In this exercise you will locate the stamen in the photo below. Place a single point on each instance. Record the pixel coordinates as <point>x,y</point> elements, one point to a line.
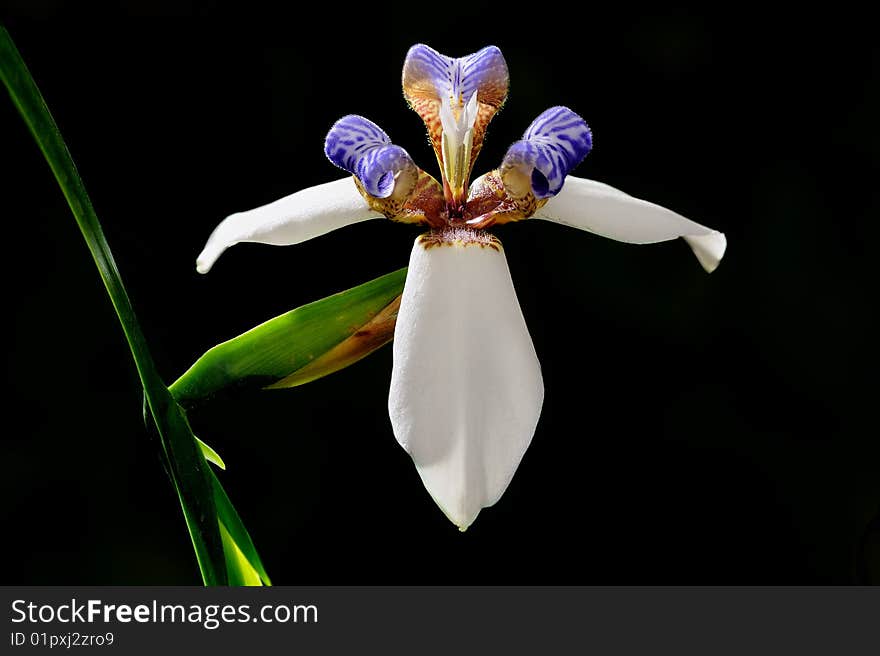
<point>457,120</point>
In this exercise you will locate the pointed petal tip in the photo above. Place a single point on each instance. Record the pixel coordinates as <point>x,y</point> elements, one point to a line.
<point>462,521</point>
<point>203,264</point>
<point>301,216</point>
<point>463,517</point>
<point>709,249</point>
<point>606,211</point>
<point>209,255</point>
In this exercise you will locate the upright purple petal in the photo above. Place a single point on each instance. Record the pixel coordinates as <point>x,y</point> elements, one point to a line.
<point>362,148</point>
<point>556,142</point>
<point>464,93</point>
<point>427,72</point>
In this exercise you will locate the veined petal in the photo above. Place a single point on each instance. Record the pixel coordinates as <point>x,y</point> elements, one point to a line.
<point>533,170</point>
<point>428,74</point>
<point>456,99</point>
<point>359,146</point>
<point>301,216</point>
<point>609,212</point>
<point>385,174</point>
<point>555,142</point>
<point>466,387</point>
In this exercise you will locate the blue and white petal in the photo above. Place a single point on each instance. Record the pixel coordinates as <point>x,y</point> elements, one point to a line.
<point>609,212</point>
<point>427,73</point>
<point>290,220</point>
<point>456,98</point>
<point>466,387</point>
<point>555,142</point>
<point>359,146</point>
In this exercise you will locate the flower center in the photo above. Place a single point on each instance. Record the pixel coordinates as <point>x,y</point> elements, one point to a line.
<point>457,118</point>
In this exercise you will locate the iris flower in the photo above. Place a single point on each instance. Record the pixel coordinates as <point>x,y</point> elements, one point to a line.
<point>466,386</point>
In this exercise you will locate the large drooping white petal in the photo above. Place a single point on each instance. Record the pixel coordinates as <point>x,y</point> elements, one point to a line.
<point>466,387</point>
<point>609,212</point>
<point>301,216</point>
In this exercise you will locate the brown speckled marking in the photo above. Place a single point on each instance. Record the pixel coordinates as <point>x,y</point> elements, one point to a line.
<point>459,236</point>
<point>423,204</point>
<point>429,111</point>
<point>390,206</point>
<point>489,203</point>
<point>489,101</point>
<point>485,113</point>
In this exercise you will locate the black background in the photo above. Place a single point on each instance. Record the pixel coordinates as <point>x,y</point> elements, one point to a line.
<point>697,429</point>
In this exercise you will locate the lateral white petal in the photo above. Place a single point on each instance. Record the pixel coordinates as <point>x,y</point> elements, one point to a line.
<point>301,216</point>
<point>709,249</point>
<point>466,386</point>
<point>609,212</point>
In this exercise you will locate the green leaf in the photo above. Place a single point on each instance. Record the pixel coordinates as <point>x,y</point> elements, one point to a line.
<point>211,455</point>
<point>241,572</point>
<point>221,551</point>
<point>306,343</point>
<point>189,474</point>
<point>243,562</point>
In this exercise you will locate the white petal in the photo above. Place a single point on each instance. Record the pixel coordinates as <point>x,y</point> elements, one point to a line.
<point>466,387</point>
<point>301,216</point>
<point>606,211</point>
<point>709,249</point>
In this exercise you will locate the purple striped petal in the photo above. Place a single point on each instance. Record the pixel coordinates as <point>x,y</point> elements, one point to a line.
<point>427,72</point>
<point>556,142</point>
<point>362,148</point>
<point>456,99</point>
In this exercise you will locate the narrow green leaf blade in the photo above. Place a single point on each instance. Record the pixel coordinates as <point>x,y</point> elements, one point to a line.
<point>240,571</point>
<point>211,455</point>
<point>190,472</point>
<point>315,339</point>
<point>237,534</point>
<point>29,102</point>
<point>181,454</point>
